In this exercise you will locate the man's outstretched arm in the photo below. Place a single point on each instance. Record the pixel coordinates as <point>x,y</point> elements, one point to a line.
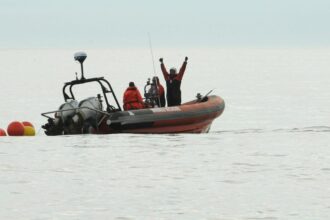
<point>182,69</point>
<point>164,71</point>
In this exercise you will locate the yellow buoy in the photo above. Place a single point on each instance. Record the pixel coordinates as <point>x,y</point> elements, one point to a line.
<point>29,131</point>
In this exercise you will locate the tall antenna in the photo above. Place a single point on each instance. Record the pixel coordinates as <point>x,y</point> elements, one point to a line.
<point>153,64</point>
<point>152,54</point>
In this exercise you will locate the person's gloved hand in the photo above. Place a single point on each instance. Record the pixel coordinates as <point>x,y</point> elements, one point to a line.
<point>186,59</point>
<point>161,60</point>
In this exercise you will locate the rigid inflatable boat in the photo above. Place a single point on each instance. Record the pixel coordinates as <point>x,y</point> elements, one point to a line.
<point>97,115</point>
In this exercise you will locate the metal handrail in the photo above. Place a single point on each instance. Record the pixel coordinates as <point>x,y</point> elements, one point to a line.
<point>45,114</point>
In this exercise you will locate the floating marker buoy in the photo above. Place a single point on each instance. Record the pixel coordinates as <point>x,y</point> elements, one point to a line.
<point>26,123</point>
<point>15,128</point>
<point>2,132</point>
<point>29,131</point>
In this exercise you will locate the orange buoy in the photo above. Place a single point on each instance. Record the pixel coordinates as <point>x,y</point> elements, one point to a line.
<point>26,123</point>
<point>29,131</point>
<point>15,128</point>
<point>2,132</point>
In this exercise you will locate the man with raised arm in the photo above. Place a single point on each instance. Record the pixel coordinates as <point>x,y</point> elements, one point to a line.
<point>173,83</point>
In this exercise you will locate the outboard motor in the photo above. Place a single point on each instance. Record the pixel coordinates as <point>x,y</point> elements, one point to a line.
<point>67,111</point>
<point>62,123</point>
<point>86,119</point>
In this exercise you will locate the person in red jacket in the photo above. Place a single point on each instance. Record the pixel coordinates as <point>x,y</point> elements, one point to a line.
<point>132,98</point>
<point>173,83</point>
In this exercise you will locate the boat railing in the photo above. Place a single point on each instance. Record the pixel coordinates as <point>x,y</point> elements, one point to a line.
<point>45,114</point>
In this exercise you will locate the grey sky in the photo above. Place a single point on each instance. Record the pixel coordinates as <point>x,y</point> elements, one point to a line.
<point>172,23</point>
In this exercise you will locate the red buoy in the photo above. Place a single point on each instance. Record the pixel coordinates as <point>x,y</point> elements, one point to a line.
<point>26,123</point>
<point>15,128</point>
<point>2,132</point>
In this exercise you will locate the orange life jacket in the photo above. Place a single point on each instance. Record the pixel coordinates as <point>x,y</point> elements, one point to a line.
<point>132,99</point>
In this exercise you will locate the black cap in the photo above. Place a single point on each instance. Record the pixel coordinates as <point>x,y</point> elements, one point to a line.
<point>131,84</point>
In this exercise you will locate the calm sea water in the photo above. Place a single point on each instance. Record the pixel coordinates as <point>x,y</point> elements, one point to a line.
<point>266,157</point>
